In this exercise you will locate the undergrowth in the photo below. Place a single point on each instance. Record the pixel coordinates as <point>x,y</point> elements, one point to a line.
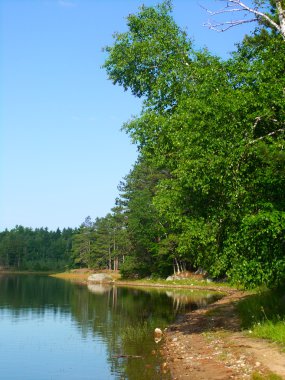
<point>263,315</point>
<point>270,376</point>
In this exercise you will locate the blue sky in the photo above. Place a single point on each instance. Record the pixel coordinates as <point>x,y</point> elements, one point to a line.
<point>61,149</point>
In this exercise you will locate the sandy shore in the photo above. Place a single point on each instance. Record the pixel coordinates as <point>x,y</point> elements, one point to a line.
<point>208,344</point>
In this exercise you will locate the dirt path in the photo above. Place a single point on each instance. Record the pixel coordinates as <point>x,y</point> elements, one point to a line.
<point>208,344</point>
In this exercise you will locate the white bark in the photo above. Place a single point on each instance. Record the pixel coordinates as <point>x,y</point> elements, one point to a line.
<point>281,14</point>
<point>233,6</point>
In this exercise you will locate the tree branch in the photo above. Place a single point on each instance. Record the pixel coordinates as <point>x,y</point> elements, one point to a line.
<point>269,134</point>
<point>233,6</point>
<point>218,27</point>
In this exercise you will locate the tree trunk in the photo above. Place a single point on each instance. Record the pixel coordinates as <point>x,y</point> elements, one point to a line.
<point>115,297</point>
<point>109,258</point>
<point>281,15</point>
<point>177,265</point>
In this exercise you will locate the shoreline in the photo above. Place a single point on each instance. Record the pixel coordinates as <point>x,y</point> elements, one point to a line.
<point>146,284</point>
<point>175,286</point>
<point>207,343</point>
<point>82,277</point>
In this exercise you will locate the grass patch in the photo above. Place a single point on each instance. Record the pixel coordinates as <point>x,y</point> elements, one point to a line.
<point>136,333</point>
<point>269,376</point>
<point>83,274</point>
<point>71,276</point>
<point>183,282</point>
<point>263,314</point>
<point>274,331</point>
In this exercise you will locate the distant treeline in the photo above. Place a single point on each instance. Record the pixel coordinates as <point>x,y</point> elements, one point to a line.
<point>102,244</point>
<point>39,249</point>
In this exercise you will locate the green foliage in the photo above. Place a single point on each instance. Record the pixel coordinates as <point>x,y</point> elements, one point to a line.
<point>39,249</point>
<point>132,268</point>
<point>262,306</point>
<point>263,314</point>
<point>270,376</point>
<point>145,58</point>
<point>143,225</point>
<point>270,330</point>
<point>216,131</point>
<point>257,250</point>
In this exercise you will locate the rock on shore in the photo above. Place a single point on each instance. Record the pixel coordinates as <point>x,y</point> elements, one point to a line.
<point>100,278</point>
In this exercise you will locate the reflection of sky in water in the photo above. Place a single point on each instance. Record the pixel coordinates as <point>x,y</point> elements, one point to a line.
<point>19,315</point>
<point>50,346</point>
<point>51,329</point>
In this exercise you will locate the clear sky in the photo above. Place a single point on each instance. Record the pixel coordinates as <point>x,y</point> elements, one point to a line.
<point>61,149</point>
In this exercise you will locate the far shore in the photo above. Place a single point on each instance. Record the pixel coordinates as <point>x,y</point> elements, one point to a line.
<point>82,276</point>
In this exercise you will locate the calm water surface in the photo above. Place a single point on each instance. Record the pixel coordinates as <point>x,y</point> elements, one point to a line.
<point>51,329</point>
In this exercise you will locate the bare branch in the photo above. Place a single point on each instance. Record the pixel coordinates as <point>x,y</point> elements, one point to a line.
<point>213,13</point>
<point>257,120</point>
<point>260,14</point>
<point>234,6</point>
<point>268,135</point>
<point>223,10</point>
<point>218,27</point>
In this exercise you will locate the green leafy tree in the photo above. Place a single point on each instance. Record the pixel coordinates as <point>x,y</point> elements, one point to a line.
<point>216,130</point>
<point>144,226</point>
<point>39,249</point>
<point>82,244</point>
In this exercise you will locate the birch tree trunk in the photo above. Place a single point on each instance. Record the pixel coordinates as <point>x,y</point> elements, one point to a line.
<point>280,5</point>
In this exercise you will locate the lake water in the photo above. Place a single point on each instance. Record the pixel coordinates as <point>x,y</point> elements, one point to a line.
<point>51,329</point>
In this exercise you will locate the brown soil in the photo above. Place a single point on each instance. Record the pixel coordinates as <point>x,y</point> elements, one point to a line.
<point>209,344</point>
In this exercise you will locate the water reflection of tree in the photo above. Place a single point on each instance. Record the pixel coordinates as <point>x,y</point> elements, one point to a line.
<point>122,319</point>
<point>23,294</point>
<point>115,312</point>
<point>125,319</point>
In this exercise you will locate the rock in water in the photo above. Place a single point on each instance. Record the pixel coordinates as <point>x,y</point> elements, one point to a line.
<point>157,335</point>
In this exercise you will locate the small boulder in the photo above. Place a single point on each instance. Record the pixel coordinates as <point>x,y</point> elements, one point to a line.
<point>157,335</point>
<point>157,331</point>
<point>173,278</point>
<point>100,278</point>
